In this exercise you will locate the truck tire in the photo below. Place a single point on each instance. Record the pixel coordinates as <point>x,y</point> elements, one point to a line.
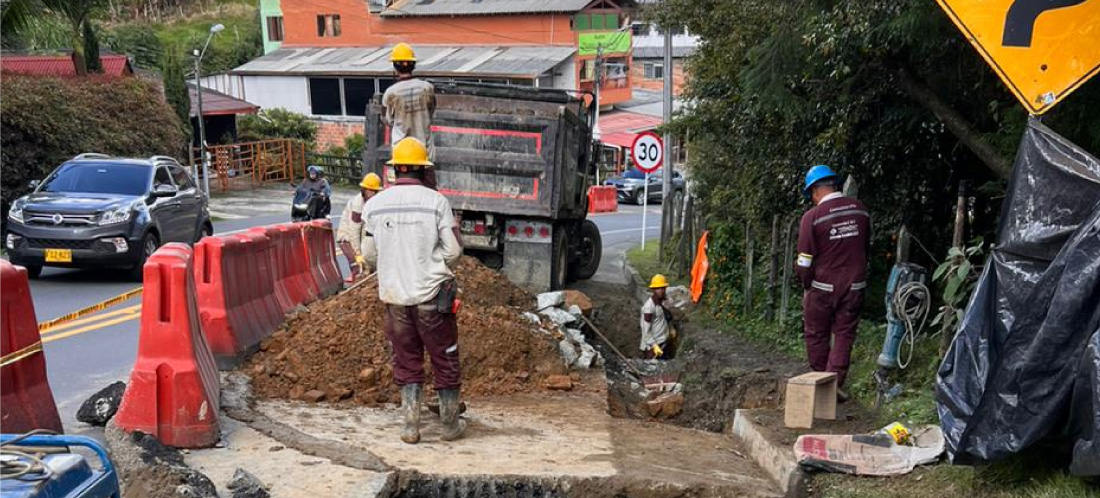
<point>559,259</point>
<point>589,251</point>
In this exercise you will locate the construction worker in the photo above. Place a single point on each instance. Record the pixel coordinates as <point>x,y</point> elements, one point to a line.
<point>409,104</point>
<point>657,332</point>
<point>350,234</point>
<point>414,243</point>
<point>833,240</point>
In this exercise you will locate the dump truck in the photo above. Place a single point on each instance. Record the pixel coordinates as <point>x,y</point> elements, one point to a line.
<point>516,164</point>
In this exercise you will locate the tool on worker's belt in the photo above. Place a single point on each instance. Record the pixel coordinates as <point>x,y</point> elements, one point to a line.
<point>907,304</point>
<point>445,299</point>
<point>457,306</point>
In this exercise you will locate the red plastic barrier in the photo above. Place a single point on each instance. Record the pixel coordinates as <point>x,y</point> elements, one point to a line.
<point>174,388</point>
<point>231,322</point>
<point>602,199</point>
<point>300,283</point>
<point>26,402</point>
<point>320,245</point>
<point>258,248</point>
<point>276,257</point>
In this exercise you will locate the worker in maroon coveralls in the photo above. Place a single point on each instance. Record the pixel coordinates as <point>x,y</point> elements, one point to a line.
<point>833,240</point>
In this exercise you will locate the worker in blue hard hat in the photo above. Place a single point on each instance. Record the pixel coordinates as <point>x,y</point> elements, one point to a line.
<point>833,240</point>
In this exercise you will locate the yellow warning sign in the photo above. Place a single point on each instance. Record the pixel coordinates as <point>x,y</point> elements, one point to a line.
<point>1042,49</point>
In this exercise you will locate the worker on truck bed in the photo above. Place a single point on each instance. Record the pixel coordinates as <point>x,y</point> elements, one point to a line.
<point>414,242</point>
<point>657,332</point>
<point>409,104</point>
<point>349,236</point>
<point>833,240</point>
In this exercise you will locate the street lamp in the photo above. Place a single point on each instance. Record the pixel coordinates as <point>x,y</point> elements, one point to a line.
<point>215,29</point>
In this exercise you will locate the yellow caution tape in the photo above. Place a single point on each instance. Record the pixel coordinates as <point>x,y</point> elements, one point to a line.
<point>90,309</point>
<point>15,356</point>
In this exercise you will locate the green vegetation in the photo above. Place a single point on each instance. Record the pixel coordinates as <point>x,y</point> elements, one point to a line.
<point>47,120</point>
<point>277,123</point>
<point>647,264</point>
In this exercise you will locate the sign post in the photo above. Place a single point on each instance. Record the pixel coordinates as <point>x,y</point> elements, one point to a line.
<point>648,152</point>
<point>1042,49</point>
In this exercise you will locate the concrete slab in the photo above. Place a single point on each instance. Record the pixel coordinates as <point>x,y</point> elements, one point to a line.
<point>778,461</point>
<point>286,472</point>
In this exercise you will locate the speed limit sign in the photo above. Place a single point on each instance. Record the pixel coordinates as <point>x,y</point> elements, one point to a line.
<point>648,151</point>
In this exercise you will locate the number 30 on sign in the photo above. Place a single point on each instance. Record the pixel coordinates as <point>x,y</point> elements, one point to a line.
<point>648,151</point>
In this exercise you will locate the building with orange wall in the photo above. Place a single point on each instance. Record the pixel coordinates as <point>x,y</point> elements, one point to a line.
<point>331,56</point>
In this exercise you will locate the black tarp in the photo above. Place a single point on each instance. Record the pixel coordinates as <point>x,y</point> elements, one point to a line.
<point>1024,367</point>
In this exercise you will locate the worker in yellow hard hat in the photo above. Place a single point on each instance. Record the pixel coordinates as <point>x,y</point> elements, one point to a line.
<point>409,103</point>
<point>349,236</point>
<point>414,245</point>
<point>657,332</point>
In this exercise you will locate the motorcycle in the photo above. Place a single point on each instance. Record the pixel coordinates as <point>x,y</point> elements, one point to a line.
<point>309,204</point>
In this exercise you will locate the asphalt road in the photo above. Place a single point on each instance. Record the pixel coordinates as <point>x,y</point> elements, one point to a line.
<point>87,354</point>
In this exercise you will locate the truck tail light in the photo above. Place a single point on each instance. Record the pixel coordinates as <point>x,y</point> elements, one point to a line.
<point>479,228</point>
<point>512,230</point>
<point>544,232</point>
<point>529,231</point>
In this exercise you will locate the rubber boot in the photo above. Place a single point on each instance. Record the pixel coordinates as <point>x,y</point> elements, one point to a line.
<point>453,426</point>
<point>410,404</point>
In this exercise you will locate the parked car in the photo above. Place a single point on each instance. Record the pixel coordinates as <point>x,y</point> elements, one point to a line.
<point>97,211</point>
<point>630,186</point>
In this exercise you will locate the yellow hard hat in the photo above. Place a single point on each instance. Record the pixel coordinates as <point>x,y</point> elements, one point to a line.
<point>410,152</point>
<point>402,52</point>
<point>659,281</point>
<point>371,182</point>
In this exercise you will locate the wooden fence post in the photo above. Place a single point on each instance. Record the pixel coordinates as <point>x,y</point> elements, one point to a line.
<point>788,262</point>
<point>748,267</point>
<point>773,264</point>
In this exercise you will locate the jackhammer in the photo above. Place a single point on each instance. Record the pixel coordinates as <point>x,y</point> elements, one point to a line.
<point>907,305</point>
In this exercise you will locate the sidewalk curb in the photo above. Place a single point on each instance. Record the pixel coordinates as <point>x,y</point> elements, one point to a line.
<point>777,461</point>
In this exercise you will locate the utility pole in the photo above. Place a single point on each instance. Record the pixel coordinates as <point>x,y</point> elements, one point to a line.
<point>215,29</point>
<point>666,189</point>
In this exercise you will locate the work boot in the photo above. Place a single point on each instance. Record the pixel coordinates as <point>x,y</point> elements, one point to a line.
<point>410,405</point>
<point>453,426</point>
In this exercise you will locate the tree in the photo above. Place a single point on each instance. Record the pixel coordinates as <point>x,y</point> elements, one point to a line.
<point>77,12</point>
<point>175,88</point>
<point>91,49</point>
<point>276,123</point>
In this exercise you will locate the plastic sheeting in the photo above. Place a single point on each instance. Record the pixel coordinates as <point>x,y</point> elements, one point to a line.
<point>1024,367</point>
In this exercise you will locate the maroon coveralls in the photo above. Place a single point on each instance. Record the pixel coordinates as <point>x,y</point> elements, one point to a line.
<point>833,241</point>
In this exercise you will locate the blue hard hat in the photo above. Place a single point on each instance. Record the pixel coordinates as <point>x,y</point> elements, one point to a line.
<point>816,174</point>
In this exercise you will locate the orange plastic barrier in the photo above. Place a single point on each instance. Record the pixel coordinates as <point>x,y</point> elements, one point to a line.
<point>298,276</point>
<point>320,245</point>
<point>257,246</point>
<point>602,199</point>
<point>232,308</point>
<point>174,387</point>
<point>26,402</point>
<point>276,257</point>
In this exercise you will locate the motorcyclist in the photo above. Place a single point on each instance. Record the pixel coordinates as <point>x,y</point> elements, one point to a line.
<point>315,182</point>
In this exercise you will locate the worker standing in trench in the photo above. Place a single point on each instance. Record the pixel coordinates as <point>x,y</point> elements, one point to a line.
<point>657,333</point>
<point>414,243</point>
<point>408,105</point>
<point>833,242</point>
<point>349,236</point>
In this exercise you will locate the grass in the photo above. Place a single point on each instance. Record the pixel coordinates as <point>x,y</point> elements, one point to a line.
<point>647,264</point>
<point>1023,476</point>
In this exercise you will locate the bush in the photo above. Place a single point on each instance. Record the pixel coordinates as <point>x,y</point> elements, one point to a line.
<point>276,123</point>
<point>47,120</point>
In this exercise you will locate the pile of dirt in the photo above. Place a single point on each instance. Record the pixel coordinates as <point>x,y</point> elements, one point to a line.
<point>337,350</point>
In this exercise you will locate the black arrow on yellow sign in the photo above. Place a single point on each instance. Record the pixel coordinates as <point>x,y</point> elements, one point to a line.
<point>1021,17</point>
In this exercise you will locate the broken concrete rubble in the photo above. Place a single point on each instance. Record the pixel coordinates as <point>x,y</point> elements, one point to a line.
<point>100,407</point>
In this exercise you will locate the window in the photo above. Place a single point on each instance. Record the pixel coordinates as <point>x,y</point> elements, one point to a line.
<point>581,22</point>
<point>99,178</point>
<point>639,29</point>
<point>588,70</point>
<point>654,71</point>
<point>275,28</point>
<point>324,97</point>
<point>328,25</point>
<point>610,21</point>
<point>183,180</point>
<point>357,93</point>
<point>161,178</point>
<point>678,30</point>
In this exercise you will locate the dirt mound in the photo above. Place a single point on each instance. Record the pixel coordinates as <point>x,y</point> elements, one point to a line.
<point>337,350</point>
